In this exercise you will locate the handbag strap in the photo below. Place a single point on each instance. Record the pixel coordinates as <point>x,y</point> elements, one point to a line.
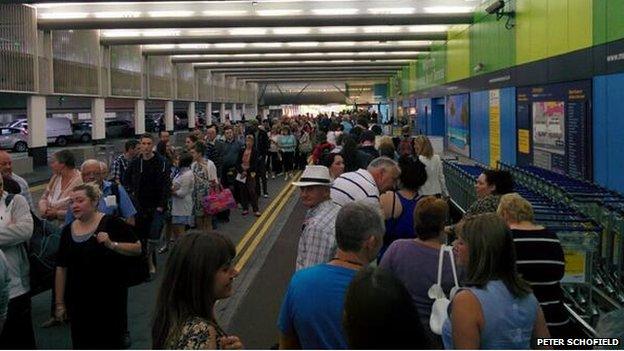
<point>449,249</point>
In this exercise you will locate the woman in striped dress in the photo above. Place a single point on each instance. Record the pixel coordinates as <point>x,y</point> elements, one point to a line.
<point>539,260</point>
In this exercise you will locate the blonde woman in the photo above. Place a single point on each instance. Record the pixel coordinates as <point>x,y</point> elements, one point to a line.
<point>435,184</point>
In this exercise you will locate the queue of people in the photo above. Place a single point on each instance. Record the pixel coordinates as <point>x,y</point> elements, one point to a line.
<point>364,203</point>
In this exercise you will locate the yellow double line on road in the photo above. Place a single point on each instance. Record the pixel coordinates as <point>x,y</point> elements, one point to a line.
<point>248,244</point>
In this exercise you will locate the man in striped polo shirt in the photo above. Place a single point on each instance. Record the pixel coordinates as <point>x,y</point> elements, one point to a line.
<point>366,184</point>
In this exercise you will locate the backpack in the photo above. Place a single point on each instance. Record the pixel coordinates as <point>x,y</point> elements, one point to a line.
<point>41,250</point>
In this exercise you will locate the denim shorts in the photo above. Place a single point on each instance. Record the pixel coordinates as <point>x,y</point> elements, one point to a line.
<point>182,220</point>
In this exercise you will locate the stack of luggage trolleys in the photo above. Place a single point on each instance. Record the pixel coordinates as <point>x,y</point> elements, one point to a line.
<point>587,220</point>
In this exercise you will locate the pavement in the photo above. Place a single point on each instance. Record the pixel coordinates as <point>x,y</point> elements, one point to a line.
<point>266,260</point>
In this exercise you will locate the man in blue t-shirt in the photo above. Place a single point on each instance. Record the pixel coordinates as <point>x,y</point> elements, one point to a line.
<point>311,313</point>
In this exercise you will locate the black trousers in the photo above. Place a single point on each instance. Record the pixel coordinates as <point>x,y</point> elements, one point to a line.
<point>18,330</point>
<point>288,159</point>
<point>248,193</point>
<point>276,164</point>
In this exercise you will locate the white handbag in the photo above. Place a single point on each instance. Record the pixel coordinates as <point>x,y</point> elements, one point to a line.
<point>439,310</point>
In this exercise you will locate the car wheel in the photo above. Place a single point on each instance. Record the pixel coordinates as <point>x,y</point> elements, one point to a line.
<point>61,141</point>
<point>85,138</point>
<point>20,146</point>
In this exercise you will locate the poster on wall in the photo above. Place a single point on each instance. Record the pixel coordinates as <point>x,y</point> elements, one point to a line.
<point>494,114</point>
<point>554,131</point>
<point>458,124</point>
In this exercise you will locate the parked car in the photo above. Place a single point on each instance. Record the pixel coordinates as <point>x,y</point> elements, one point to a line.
<point>151,125</point>
<point>15,139</point>
<point>82,132</point>
<point>114,129</point>
<point>58,129</point>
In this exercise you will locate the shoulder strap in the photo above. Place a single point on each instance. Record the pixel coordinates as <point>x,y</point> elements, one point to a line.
<point>449,249</point>
<point>8,199</point>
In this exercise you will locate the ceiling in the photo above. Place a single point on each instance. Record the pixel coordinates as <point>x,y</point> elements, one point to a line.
<point>270,41</point>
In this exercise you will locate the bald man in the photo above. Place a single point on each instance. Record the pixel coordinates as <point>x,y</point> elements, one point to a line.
<point>6,169</point>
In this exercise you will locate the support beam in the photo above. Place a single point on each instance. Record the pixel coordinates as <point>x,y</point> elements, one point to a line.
<point>213,39</point>
<point>37,136</point>
<point>245,75</point>
<point>191,115</point>
<point>285,50</point>
<point>98,121</point>
<point>243,112</point>
<point>169,116</point>
<point>254,21</point>
<point>298,69</point>
<point>222,112</point>
<point>351,63</point>
<point>139,117</point>
<point>315,58</point>
<point>208,113</point>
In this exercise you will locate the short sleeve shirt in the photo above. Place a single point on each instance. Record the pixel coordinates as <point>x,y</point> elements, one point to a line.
<point>313,306</point>
<point>126,208</point>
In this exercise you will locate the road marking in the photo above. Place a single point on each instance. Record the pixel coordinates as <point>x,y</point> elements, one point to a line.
<point>240,247</point>
<point>265,229</point>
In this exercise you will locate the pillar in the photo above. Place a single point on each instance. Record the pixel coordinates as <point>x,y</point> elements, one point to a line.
<point>169,116</point>
<point>255,108</point>
<point>139,117</point>
<point>222,112</point>
<point>208,113</point>
<point>98,121</point>
<point>37,136</point>
<point>234,115</point>
<point>243,112</point>
<point>191,115</point>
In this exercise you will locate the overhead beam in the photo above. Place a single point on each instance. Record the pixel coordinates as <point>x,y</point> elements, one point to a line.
<point>242,75</point>
<point>317,75</point>
<point>230,58</point>
<point>255,21</point>
<point>297,69</point>
<point>214,39</point>
<point>318,79</point>
<point>357,63</point>
<point>284,50</point>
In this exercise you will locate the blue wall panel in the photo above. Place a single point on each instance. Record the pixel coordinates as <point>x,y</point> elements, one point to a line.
<point>608,131</point>
<point>509,133</point>
<point>438,119</point>
<point>480,126</point>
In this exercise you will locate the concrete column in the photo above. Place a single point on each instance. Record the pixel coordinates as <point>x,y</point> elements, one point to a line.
<point>222,112</point>
<point>191,115</point>
<point>37,136</point>
<point>98,121</point>
<point>169,116</point>
<point>243,113</point>
<point>208,113</point>
<point>255,109</point>
<point>234,115</point>
<point>139,117</point>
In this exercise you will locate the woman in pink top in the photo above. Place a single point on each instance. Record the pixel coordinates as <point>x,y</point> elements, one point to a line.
<point>54,202</point>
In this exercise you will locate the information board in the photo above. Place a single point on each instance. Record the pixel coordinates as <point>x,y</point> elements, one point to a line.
<point>458,124</point>
<point>554,130</point>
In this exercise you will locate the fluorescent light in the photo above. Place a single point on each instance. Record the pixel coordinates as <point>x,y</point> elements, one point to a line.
<point>266,45</point>
<point>427,28</point>
<point>338,53</point>
<point>247,55</point>
<point>113,14</point>
<point>248,31</point>
<point>194,46</point>
<point>448,9</point>
<point>230,45</point>
<point>292,30</point>
<point>160,32</point>
<point>382,29</point>
<point>335,11</point>
<point>62,15</point>
<point>404,53</point>
<point>170,13</point>
<point>120,33</point>
<point>277,55</point>
<point>303,44</point>
<point>391,10</point>
<point>339,43</point>
<point>338,30</point>
<point>158,46</point>
<point>226,13</point>
<point>278,12</point>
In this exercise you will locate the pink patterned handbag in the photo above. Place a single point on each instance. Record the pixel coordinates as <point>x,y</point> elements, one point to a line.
<point>218,200</point>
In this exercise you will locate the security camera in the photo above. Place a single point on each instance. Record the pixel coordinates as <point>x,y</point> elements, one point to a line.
<point>495,7</point>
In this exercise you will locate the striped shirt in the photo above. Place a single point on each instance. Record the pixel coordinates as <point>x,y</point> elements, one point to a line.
<point>353,186</point>
<point>540,261</point>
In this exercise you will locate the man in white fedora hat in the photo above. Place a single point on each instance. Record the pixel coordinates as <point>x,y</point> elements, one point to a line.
<point>317,243</point>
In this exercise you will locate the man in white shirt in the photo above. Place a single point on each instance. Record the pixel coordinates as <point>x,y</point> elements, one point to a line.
<point>366,184</point>
<point>6,169</point>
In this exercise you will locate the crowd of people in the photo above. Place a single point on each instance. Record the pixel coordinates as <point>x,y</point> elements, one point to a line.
<point>369,198</point>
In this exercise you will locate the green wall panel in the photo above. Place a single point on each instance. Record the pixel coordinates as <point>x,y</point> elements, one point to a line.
<point>546,28</point>
<point>458,54</point>
<point>608,22</point>
<point>491,44</point>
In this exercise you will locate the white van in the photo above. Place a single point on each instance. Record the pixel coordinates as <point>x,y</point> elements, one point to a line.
<point>58,129</point>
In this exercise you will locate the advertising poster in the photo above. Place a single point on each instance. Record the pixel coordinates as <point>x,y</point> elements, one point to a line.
<point>495,141</point>
<point>549,135</point>
<point>458,124</point>
<point>557,118</point>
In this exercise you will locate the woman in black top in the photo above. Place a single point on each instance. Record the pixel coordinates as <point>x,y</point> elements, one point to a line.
<point>91,272</point>
<point>539,260</point>
<point>247,168</point>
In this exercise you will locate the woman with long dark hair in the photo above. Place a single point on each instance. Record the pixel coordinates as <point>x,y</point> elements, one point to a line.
<point>198,272</point>
<point>497,309</point>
